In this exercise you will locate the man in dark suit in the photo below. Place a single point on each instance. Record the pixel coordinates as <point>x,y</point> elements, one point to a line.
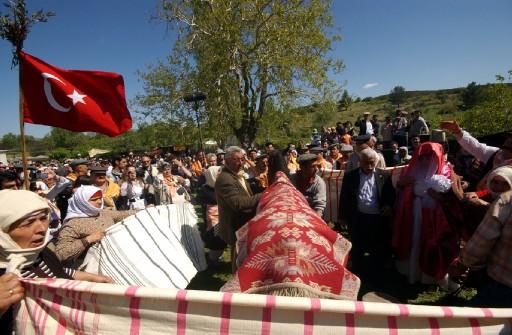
<point>365,124</point>
<point>237,204</point>
<point>366,202</point>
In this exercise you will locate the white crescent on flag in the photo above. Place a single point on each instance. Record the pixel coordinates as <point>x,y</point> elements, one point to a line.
<point>75,96</point>
<point>49,95</point>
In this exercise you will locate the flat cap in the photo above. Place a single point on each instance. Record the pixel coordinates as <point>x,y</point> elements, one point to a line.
<point>261,156</point>
<point>346,148</point>
<point>304,158</point>
<point>362,138</point>
<point>77,162</point>
<point>316,149</point>
<point>98,170</point>
<point>219,152</point>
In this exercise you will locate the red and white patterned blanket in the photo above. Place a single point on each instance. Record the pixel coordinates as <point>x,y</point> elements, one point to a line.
<point>287,247</point>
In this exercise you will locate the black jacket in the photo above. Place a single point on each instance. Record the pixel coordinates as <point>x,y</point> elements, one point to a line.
<point>350,191</point>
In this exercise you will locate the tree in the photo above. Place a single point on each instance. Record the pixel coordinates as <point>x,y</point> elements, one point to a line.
<point>10,141</point>
<point>15,27</point>
<point>397,95</point>
<point>345,102</point>
<point>472,95</point>
<point>242,54</point>
<point>494,114</point>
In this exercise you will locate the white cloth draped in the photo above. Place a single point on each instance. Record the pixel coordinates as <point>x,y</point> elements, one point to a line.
<point>157,247</point>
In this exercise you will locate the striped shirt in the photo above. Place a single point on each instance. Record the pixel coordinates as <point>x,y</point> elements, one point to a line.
<point>491,244</point>
<point>44,271</point>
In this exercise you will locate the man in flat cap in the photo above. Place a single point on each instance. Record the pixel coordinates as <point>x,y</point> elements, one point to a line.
<point>320,160</point>
<point>80,168</point>
<point>335,157</point>
<point>363,142</point>
<point>346,151</point>
<point>109,189</point>
<point>310,184</point>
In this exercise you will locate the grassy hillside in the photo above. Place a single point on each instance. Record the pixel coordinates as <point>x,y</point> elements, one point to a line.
<point>436,106</point>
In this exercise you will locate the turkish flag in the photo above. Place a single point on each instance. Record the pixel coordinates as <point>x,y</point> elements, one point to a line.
<point>73,99</point>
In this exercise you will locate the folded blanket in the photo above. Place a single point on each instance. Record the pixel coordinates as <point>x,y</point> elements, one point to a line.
<point>157,247</point>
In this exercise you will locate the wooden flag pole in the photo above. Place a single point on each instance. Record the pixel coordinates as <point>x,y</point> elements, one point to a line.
<point>22,128</point>
<point>15,29</point>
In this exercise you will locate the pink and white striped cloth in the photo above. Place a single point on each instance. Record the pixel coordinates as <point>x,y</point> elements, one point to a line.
<point>73,307</point>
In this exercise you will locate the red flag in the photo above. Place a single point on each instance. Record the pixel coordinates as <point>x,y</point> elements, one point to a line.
<point>73,99</point>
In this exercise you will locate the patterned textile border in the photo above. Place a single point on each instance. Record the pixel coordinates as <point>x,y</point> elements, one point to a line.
<point>74,307</point>
<point>333,180</point>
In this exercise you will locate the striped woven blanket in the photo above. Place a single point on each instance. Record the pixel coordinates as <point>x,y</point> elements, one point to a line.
<point>75,307</point>
<point>157,247</point>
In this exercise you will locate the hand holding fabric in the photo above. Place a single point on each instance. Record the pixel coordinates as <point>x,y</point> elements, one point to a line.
<point>95,237</point>
<point>11,291</point>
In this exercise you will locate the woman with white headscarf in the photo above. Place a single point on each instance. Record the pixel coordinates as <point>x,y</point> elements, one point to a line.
<point>489,247</point>
<point>85,224</point>
<point>424,242</point>
<point>24,235</point>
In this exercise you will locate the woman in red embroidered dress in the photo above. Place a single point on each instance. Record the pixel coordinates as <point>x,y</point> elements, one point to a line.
<point>423,240</point>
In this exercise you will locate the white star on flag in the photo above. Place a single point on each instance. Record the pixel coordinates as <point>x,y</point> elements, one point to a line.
<point>77,97</point>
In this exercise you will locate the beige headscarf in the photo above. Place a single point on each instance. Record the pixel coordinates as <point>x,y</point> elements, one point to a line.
<point>14,206</point>
<point>505,172</point>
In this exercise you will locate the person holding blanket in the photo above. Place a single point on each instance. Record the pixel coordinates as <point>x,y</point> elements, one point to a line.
<point>24,235</point>
<point>85,225</point>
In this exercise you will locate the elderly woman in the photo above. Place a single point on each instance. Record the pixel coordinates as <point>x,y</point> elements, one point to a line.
<point>84,224</point>
<point>24,234</point>
<point>169,188</point>
<point>132,190</point>
<point>489,248</point>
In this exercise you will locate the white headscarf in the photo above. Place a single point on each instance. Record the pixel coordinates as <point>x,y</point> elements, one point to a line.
<point>505,172</point>
<point>14,206</point>
<point>79,206</point>
<point>211,175</point>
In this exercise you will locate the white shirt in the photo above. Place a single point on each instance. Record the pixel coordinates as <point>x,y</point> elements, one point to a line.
<point>369,127</point>
<point>481,151</point>
<point>367,200</point>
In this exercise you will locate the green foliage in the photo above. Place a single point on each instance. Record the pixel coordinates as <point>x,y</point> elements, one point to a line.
<point>397,95</point>
<point>242,54</point>
<point>60,153</point>
<point>10,141</point>
<point>345,102</point>
<point>16,26</point>
<point>495,113</point>
<point>473,95</point>
<point>449,107</point>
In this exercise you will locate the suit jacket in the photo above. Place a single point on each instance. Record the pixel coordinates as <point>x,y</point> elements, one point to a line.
<point>350,191</point>
<point>362,126</point>
<point>236,205</point>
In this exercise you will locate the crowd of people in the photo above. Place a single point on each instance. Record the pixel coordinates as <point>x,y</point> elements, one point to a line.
<point>438,219</point>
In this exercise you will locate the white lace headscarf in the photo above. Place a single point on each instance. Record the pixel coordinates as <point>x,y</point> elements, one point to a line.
<point>79,206</point>
<point>211,175</point>
<point>16,205</point>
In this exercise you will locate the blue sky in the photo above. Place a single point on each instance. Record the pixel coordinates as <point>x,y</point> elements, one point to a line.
<point>417,44</point>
